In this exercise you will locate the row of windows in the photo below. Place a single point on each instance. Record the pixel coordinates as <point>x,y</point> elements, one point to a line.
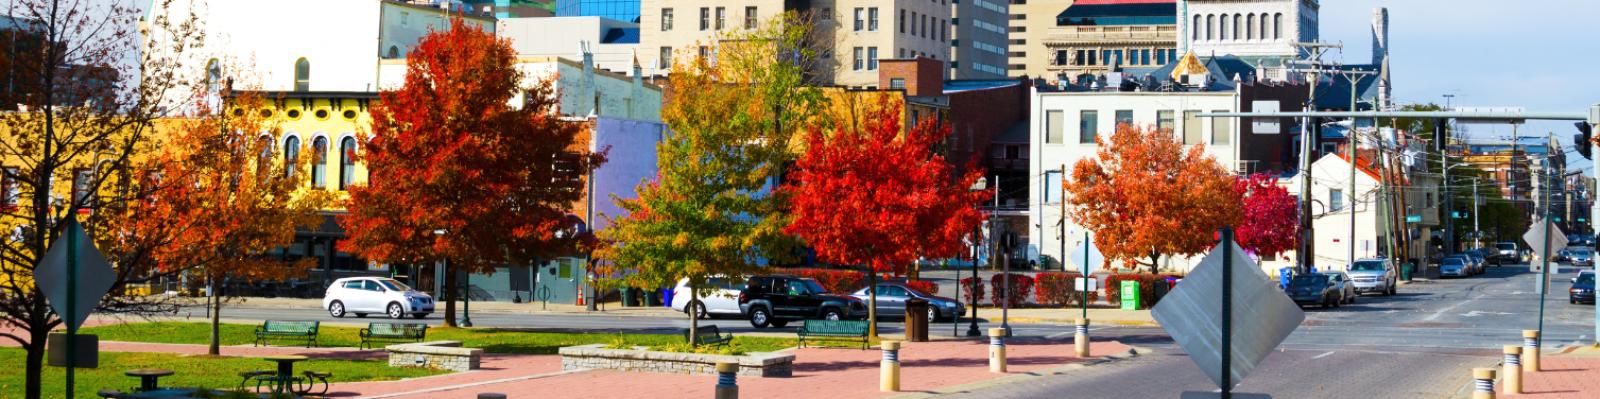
<point>319,166</point>
<point>302,74</point>
<point>870,62</point>
<point>922,25</point>
<point>1237,27</point>
<point>706,20</point>
<point>1126,57</point>
<point>1089,126</point>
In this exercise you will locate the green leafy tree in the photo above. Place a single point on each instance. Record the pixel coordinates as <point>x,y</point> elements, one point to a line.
<point>711,210</point>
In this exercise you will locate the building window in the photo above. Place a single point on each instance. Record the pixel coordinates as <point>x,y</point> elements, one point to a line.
<point>1264,27</point>
<point>1211,27</point>
<point>902,20</point>
<point>1144,56</point>
<point>827,13</point>
<point>1124,117</point>
<point>10,188</point>
<point>872,19</point>
<point>705,53</point>
<point>1092,59</point>
<point>1335,200</point>
<point>1192,129</point>
<point>859,22</point>
<point>1088,126</point>
<point>722,17</point>
<point>291,155</point>
<point>1277,26</point>
<point>944,30</point>
<point>666,19</point>
<point>1250,28</point>
<point>1061,57</point>
<point>857,62</point>
<point>1220,129</point>
<point>1161,57</point>
<point>394,52</point>
<point>665,60</point>
<point>913,23</point>
<point>1164,120</point>
<point>82,192</point>
<point>1052,187</point>
<point>347,162</point>
<point>213,76</point>
<point>749,17</point>
<point>1223,26</point>
<point>705,18</point>
<point>302,75</point>
<point>1052,127</point>
<point>1237,18</point>
<point>1195,28</point>
<point>897,83</point>
<point>872,58</point>
<point>319,164</point>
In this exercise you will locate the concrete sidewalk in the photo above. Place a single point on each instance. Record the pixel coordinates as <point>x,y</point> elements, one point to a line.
<point>1573,374</point>
<point>1069,316</point>
<point>611,308</point>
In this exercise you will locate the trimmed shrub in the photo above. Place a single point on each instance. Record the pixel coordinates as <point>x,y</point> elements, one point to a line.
<point>1147,287</point>
<point>970,284</point>
<point>1021,287</point>
<point>836,281</point>
<point>1059,289</point>
<point>924,286</point>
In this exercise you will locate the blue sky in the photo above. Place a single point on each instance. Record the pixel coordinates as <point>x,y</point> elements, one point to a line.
<point>1537,54</point>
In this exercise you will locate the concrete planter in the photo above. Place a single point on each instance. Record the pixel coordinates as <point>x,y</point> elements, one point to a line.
<point>445,355</point>
<point>597,356</point>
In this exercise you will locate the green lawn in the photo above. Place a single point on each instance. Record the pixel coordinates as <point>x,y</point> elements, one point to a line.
<point>491,340</point>
<point>191,371</point>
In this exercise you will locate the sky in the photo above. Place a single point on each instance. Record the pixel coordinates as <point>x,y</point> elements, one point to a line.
<point>1537,54</point>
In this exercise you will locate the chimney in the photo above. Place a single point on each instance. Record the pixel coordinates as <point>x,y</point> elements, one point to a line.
<point>1380,54</point>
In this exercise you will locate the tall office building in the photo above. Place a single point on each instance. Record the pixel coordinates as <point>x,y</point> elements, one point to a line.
<point>979,40</point>
<point>621,10</point>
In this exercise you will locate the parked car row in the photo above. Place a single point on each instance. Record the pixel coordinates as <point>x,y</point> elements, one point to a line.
<point>1334,288</point>
<point>774,301</point>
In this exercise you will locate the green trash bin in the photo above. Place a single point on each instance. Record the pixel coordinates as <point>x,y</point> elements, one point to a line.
<point>1130,295</point>
<point>1405,270</point>
<point>627,298</point>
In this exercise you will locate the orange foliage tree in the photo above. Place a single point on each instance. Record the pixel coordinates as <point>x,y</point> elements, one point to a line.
<point>1144,196</point>
<point>448,154</point>
<point>882,197</point>
<point>230,199</point>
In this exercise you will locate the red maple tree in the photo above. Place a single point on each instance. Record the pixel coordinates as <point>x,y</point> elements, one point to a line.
<point>457,174</point>
<point>882,197</point>
<point>1271,220</point>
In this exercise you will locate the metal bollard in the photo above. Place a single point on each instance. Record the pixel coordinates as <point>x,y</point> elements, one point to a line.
<point>489,395</point>
<point>1530,351</point>
<point>1511,381</point>
<point>997,350</point>
<point>727,380</point>
<point>889,372</point>
<point>1080,339</point>
<point>1483,383</point>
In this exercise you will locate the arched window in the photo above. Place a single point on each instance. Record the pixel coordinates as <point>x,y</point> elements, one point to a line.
<point>1264,27</point>
<point>213,76</point>
<point>1222,28</point>
<point>1250,28</point>
<point>1211,27</point>
<point>394,52</point>
<point>319,162</point>
<point>1277,26</point>
<point>291,155</point>
<point>1237,19</point>
<point>347,162</point>
<point>302,75</point>
<point>1196,28</point>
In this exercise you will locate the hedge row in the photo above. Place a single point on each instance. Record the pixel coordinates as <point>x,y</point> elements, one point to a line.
<point>1060,289</point>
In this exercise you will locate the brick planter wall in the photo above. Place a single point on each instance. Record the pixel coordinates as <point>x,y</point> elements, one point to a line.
<point>444,355</point>
<point>597,356</point>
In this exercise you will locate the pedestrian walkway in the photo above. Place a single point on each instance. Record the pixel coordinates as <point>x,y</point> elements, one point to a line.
<point>1574,375</point>
<point>1069,316</point>
<point>611,308</point>
<point>834,373</point>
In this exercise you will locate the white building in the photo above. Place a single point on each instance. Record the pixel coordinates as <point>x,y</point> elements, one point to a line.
<point>1255,30</point>
<point>614,44</point>
<point>584,90</point>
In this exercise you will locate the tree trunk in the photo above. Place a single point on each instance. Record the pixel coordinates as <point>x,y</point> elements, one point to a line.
<point>1155,262</point>
<point>38,331</point>
<point>872,302</point>
<point>449,297</point>
<point>694,319</point>
<point>216,322</point>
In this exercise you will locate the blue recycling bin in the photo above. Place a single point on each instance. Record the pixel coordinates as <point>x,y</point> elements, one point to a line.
<point>666,297</point>
<point>1284,275</point>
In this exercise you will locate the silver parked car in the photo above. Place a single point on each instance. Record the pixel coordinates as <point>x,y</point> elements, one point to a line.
<point>1580,256</point>
<point>1343,284</point>
<point>892,297</point>
<point>1374,275</point>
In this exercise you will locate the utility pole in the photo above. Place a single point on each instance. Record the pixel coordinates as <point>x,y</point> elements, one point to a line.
<point>1350,141</point>
<point>1306,251</point>
<point>1477,232</point>
<point>1442,136</point>
<point>1063,223</point>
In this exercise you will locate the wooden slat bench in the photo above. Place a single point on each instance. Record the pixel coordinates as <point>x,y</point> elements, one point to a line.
<point>298,330</point>
<point>709,335</point>
<point>392,332</point>
<point>843,329</point>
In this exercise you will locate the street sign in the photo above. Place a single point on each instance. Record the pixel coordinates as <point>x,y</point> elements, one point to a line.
<point>1413,218</point>
<point>1262,316</point>
<point>94,276</point>
<point>1095,258</point>
<point>1535,238</point>
<point>1086,284</point>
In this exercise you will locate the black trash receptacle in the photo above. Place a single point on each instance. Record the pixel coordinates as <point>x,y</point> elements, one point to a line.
<point>917,320</point>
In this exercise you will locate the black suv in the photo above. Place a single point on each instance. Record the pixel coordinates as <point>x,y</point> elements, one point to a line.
<point>775,300</point>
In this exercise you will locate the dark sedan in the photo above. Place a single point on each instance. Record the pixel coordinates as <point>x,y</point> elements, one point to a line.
<point>1307,289</point>
<point>892,297</point>
<point>1582,290</point>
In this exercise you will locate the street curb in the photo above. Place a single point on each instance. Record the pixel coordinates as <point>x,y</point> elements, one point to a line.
<point>1133,351</point>
<point>1045,320</point>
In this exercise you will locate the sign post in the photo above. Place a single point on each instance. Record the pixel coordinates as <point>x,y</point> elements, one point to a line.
<point>72,275</point>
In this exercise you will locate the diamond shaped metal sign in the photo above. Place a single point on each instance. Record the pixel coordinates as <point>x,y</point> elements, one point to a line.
<point>1535,237</point>
<point>95,276</point>
<point>1262,315</point>
<point>1087,248</point>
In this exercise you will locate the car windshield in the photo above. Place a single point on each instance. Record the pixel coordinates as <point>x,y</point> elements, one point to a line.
<point>813,287</point>
<point>393,285</point>
<point>1367,267</point>
<point>1308,279</point>
<point>1454,261</point>
<point>1506,246</point>
<point>1586,278</point>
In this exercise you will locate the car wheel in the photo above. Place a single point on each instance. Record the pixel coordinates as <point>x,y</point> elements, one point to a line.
<point>336,309</point>
<point>760,317</point>
<point>1353,299</point>
<point>933,314</point>
<point>831,314</point>
<point>395,311</point>
<point>419,315</point>
<point>700,311</point>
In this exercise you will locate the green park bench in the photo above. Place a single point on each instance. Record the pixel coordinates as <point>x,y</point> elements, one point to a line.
<point>298,330</point>
<point>834,329</point>
<point>710,335</point>
<point>392,332</point>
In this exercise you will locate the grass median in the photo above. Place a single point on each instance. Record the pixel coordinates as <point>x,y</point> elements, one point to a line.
<point>188,371</point>
<point>490,340</point>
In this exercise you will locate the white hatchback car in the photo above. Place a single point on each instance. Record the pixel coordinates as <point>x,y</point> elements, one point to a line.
<point>719,297</point>
<point>364,295</point>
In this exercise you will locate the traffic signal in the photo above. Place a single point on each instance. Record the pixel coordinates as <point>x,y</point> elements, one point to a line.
<point>1581,140</point>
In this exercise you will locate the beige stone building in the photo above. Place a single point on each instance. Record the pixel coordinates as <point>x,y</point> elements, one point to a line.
<point>857,33</point>
<point>1065,40</point>
<point>1031,21</point>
